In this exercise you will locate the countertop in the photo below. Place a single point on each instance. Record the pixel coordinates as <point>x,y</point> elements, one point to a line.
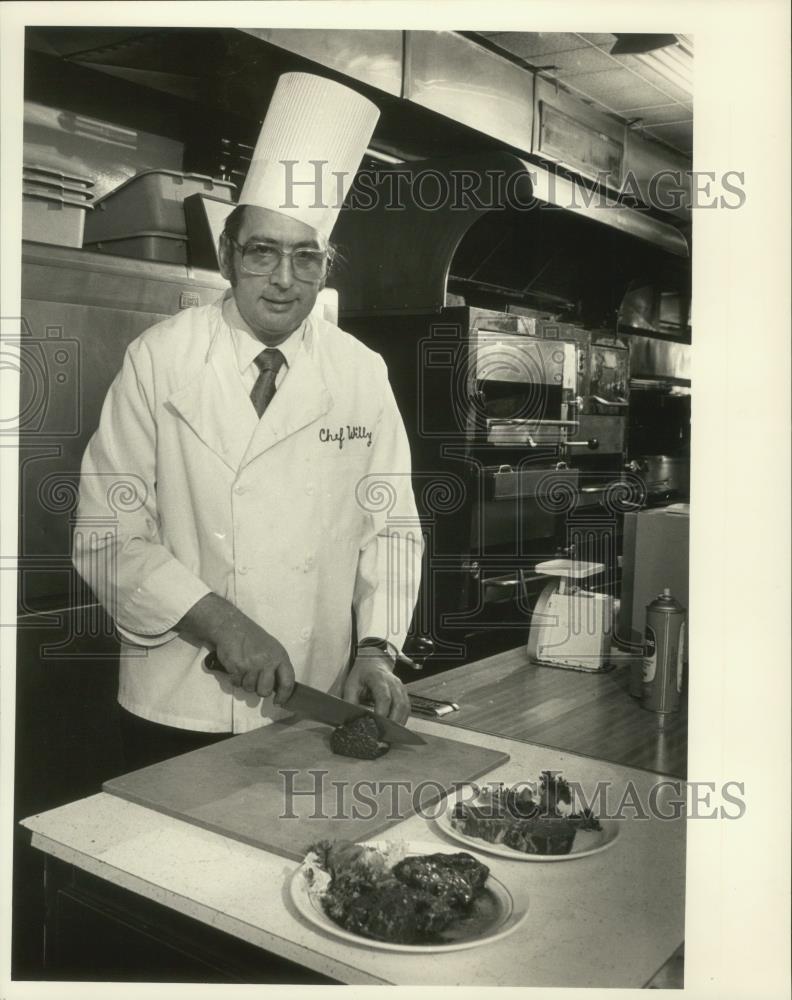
<point>586,713</point>
<point>608,920</point>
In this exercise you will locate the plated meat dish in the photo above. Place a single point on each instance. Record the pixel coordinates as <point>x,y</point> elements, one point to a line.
<point>411,902</point>
<point>539,821</point>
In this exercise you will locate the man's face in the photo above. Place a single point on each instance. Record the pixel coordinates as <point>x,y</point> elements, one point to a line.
<point>273,305</point>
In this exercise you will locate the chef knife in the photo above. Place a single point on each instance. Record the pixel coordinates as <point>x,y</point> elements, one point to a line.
<point>332,711</point>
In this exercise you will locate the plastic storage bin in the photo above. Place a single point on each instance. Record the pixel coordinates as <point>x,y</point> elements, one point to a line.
<point>53,218</point>
<point>46,175</point>
<point>151,202</point>
<point>51,187</point>
<point>169,248</point>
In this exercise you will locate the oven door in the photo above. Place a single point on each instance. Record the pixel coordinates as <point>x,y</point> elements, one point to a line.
<point>516,379</point>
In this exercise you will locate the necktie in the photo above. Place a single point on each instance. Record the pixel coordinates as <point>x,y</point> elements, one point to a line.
<point>269,363</point>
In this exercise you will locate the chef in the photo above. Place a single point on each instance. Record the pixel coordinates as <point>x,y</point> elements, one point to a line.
<point>248,489</point>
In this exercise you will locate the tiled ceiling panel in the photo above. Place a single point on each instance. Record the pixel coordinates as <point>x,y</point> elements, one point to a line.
<point>603,41</point>
<point>530,44</point>
<point>585,60</point>
<point>627,86</point>
<point>617,89</point>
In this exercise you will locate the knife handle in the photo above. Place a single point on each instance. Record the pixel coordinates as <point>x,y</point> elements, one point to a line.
<point>405,661</point>
<point>212,662</point>
<point>421,648</point>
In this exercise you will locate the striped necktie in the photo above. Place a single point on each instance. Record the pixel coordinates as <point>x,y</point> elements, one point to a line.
<point>269,363</point>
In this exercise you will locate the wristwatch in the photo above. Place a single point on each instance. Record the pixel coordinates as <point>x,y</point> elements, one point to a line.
<point>372,642</point>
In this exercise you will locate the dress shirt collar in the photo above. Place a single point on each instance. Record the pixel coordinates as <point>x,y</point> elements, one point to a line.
<point>247,346</point>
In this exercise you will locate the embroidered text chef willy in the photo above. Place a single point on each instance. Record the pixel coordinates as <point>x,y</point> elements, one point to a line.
<point>348,433</point>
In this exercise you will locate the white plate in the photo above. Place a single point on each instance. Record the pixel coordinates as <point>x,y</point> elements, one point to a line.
<point>586,842</point>
<point>506,916</point>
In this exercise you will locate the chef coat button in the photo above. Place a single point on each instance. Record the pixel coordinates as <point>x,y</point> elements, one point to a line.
<point>242,570</point>
<point>309,489</point>
<point>305,634</point>
<point>239,490</point>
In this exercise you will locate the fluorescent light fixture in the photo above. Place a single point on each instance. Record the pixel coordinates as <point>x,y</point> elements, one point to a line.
<point>670,56</point>
<point>674,64</point>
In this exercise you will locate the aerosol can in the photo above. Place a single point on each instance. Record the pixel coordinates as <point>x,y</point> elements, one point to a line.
<point>664,651</point>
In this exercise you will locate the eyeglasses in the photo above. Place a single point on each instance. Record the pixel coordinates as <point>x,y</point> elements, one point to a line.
<point>264,258</point>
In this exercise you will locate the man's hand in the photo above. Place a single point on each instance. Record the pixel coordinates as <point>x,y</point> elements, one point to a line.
<point>254,659</point>
<point>371,677</point>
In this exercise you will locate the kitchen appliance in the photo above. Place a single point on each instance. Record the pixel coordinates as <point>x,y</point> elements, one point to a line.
<point>497,326</point>
<point>321,707</point>
<point>659,432</point>
<point>521,386</point>
<point>490,401</point>
<point>665,477</point>
<point>570,627</point>
<point>280,787</point>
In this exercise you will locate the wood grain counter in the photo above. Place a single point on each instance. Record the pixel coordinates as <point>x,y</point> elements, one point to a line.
<point>590,714</point>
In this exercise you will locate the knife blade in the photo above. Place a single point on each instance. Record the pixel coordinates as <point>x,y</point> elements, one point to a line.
<point>326,708</point>
<point>334,711</point>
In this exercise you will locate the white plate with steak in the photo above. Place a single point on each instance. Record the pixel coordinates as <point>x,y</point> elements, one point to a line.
<point>404,897</point>
<point>527,824</point>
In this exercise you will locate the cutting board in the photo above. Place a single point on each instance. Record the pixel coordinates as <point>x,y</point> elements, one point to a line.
<point>247,787</point>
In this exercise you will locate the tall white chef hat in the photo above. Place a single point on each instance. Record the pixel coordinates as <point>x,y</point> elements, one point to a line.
<point>309,149</point>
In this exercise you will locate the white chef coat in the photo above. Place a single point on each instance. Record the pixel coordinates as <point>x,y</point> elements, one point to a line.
<point>294,518</point>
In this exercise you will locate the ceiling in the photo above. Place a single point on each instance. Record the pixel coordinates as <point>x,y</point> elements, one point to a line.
<point>652,92</point>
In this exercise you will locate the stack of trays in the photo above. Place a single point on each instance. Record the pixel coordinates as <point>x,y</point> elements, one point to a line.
<point>144,216</point>
<point>54,205</point>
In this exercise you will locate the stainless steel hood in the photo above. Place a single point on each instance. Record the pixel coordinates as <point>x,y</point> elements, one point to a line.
<point>553,189</point>
<point>412,224</point>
